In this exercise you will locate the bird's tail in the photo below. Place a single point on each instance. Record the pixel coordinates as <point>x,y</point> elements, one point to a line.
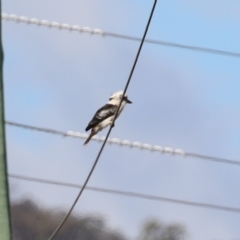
<point>89,138</point>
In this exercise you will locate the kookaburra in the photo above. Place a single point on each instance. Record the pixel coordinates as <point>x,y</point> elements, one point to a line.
<point>104,116</point>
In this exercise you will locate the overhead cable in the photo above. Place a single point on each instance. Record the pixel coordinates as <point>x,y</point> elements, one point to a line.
<point>128,194</point>
<point>97,31</point>
<point>111,126</point>
<point>127,143</point>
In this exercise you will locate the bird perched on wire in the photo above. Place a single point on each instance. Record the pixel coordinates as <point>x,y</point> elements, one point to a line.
<point>105,115</point>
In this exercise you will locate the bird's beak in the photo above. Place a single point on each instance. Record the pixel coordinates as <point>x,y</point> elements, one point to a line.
<point>128,101</point>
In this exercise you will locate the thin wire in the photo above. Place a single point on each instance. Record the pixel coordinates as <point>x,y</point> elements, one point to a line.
<point>214,159</point>
<point>64,26</point>
<point>129,194</point>
<point>127,143</point>
<point>33,128</point>
<point>110,129</point>
<point>175,45</point>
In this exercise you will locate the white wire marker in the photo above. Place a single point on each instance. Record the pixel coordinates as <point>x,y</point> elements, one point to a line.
<point>97,31</point>
<point>127,143</point>
<point>47,23</point>
<point>117,141</point>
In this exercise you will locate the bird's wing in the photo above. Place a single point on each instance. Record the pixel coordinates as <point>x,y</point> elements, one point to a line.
<point>103,113</point>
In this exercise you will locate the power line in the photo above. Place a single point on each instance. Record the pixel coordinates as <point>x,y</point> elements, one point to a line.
<point>129,194</point>
<point>111,126</point>
<point>127,143</point>
<point>97,31</point>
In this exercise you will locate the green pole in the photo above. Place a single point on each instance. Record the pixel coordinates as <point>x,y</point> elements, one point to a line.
<point>5,223</point>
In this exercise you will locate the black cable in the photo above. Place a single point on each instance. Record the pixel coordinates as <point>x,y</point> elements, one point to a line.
<point>103,145</point>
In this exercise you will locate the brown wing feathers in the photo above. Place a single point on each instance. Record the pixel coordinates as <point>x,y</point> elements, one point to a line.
<point>103,113</point>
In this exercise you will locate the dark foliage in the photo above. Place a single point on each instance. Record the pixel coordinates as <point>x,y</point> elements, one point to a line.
<point>29,222</point>
<point>154,230</point>
<point>32,223</point>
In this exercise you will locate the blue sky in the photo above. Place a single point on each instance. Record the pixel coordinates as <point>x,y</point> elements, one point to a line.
<point>58,79</point>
